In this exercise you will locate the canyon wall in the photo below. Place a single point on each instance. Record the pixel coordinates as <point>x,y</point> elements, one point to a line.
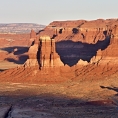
<point>70,50</point>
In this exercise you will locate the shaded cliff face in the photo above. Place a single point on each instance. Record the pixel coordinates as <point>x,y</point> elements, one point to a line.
<point>71,52</point>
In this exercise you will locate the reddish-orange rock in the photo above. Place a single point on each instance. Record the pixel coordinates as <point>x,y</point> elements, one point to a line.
<point>90,47</point>
<point>33,34</point>
<point>43,53</point>
<point>10,40</point>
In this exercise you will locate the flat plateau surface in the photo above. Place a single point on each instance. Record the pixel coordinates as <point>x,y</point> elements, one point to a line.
<point>78,99</point>
<point>7,65</point>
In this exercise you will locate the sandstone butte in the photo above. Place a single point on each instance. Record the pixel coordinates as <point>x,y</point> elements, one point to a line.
<point>68,51</point>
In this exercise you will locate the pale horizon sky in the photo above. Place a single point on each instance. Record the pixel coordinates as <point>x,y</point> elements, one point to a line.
<point>45,11</point>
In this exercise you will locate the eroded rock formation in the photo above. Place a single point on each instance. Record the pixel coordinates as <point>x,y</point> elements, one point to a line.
<point>69,50</point>
<point>42,53</point>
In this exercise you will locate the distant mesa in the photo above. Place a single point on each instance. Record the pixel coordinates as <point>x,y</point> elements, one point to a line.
<point>19,28</point>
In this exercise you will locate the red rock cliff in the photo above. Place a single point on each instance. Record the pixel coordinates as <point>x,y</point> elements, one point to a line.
<point>43,54</point>
<point>89,47</point>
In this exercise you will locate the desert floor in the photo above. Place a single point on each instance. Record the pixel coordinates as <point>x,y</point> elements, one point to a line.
<point>78,99</point>
<point>71,99</point>
<point>7,65</point>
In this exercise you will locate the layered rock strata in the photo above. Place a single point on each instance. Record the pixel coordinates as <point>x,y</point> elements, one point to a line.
<point>42,53</point>
<point>88,50</point>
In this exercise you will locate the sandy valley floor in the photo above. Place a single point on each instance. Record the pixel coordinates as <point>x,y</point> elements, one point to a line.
<point>65,100</point>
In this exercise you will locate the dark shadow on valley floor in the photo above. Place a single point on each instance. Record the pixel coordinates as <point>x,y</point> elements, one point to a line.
<point>21,59</point>
<point>2,70</point>
<point>111,88</point>
<point>19,50</point>
<point>60,106</point>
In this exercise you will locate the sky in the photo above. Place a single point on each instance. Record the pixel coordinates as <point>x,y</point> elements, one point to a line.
<point>45,11</point>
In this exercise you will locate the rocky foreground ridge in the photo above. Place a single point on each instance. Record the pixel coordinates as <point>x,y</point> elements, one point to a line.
<point>70,50</point>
